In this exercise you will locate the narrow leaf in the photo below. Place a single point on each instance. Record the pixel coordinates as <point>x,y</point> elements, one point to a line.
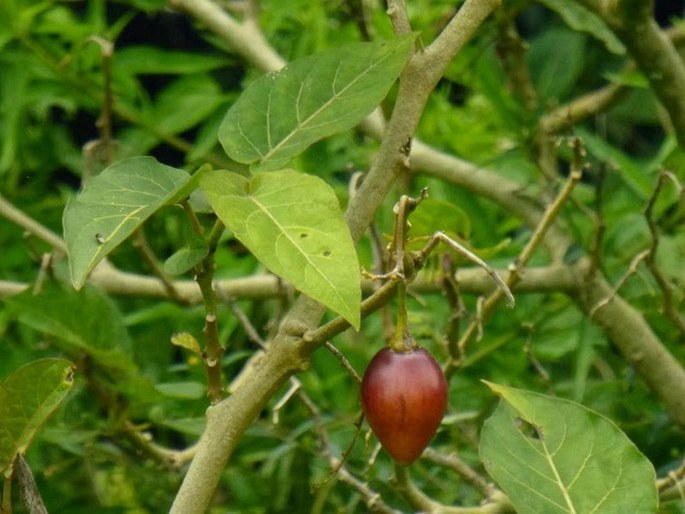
<point>182,390</point>
<point>27,397</point>
<point>582,19</point>
<point>113,205</point>
<point>293,224</point>
<point>282,113</point>
<point>555,456</point>
<point>147,60</point>
<point>633,173</point>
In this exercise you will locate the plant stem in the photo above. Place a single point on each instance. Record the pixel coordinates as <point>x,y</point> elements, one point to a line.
<point>520,262</point>
<point>19,218</point>
<point>28,489</point>
<point>652,50</point>
<point>213,351</point>
<point>289,351</point>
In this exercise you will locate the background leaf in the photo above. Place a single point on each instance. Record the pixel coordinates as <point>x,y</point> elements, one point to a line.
<point>581,19</point>
<point>113,205</point>
<point>556,456</point>
<point>187,256</point>
<point>27,397</point>
<point>554,75</point>
<point>86,320</point>
<point>148,60</point>
<point>293,224</point>
<point>282,113</point>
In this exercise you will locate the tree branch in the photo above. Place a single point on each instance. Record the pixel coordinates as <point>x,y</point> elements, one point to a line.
<point>288,352</point>
<point>632,335</point>
<point>246,38</point>
<point>652,50</point>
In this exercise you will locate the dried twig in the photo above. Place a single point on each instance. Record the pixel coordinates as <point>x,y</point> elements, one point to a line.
<point>669,306</point>
<point>632,269</point>
<point>520,262</point>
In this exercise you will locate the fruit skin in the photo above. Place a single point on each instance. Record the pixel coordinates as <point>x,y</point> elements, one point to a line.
<point>404,397</point>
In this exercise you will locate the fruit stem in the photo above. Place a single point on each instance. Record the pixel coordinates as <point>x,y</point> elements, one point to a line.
<point>402,341</point>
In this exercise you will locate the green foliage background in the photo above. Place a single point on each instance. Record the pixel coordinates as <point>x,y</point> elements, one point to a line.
<point>173,84</point>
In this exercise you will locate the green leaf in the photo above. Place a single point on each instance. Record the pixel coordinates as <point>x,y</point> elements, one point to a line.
<point>152,60</point>
<point>187,341</point>
<point>282,113</point>
<point>182,390</point>
<point>293,224</point>
<point>555,456</point>
<point>554,74</point>
<point>27,398</point>
<point>434,215</point>
<point>187,256</point>
<point>184,103</point>
<point>632,172</point>
<point>113,205</point>
<point>583,20</point>
<point>86,320</point>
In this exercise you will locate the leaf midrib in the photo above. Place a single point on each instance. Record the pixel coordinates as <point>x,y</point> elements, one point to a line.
<point>325,105</point>
<point>550,461</point>
<point>282,229</point>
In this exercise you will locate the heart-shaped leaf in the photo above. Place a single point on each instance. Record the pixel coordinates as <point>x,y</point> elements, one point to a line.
<point>282,113</point>
<point>556,456</point>
<point>27,397</point>
<point>293,224</point>
<point>114,204</point>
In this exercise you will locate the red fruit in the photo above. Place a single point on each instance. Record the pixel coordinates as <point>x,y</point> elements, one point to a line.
<point>404,397</point>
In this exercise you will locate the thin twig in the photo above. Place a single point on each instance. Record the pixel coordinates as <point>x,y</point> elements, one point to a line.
<point>43,273</point>
<point>141,243</point>
<point>19,218</point>
<point>470,475</point>
<point>343,360</point>
<point>450,287</point>
<point>174,459</point>
<point>459,248</point>
<point>295,386</point>
<point>372,498</point>
<point>520,262</point>
<point>417,499</point>
<point>669,306</point>
<point>632,269</point>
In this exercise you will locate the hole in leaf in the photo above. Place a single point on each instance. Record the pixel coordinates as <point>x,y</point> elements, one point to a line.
<point>528,429</point>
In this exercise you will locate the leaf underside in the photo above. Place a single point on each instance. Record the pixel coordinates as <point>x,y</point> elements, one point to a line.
<point>293,224</point>
<point>27,397</point>
<point>280,114</point>
<point>556,456</point>
<point>113,205</point>
<point>80,321</point>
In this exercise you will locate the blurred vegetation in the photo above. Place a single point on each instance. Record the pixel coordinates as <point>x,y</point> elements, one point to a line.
<point>172,85</point>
